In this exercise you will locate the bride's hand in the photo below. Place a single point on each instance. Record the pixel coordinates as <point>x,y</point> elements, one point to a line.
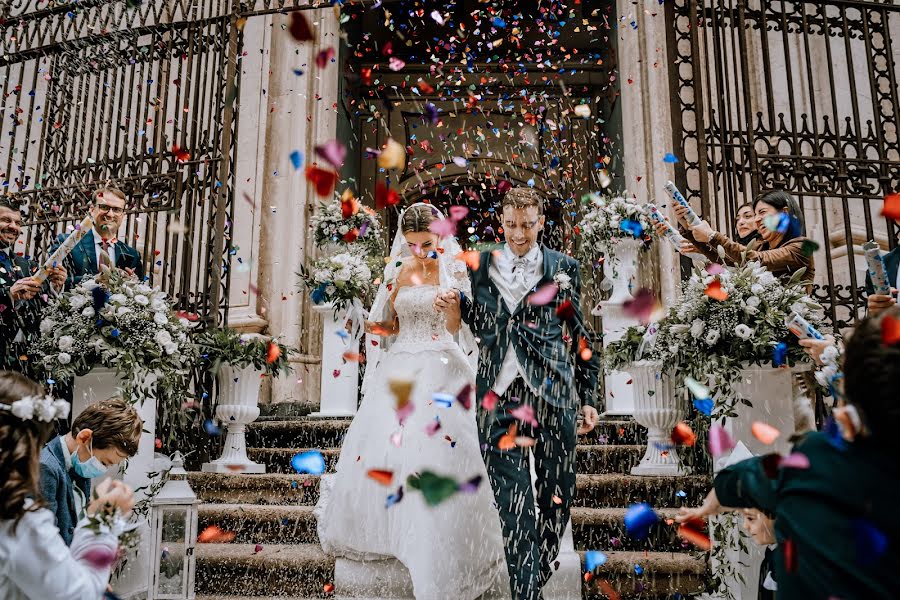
<point>446,301</point>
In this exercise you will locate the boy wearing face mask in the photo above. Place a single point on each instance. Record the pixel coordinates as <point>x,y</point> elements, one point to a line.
<point>102,436</point>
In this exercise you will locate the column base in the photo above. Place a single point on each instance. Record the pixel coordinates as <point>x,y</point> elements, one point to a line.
<point>233,468</point>
<point>656,469</point>
<point>331,414</point>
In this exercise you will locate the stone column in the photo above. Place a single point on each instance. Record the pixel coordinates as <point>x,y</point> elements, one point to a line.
<point>301,115</point>
<point>647,123</point>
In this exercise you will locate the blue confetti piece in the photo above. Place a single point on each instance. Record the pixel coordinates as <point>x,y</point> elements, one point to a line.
<point>499,23</point>
<point>632,227</point>
<point>311,462</point>
<point>871,542</point>
<point>593,559</point>
<point>211,428</point>
<point>393,499</point>
<point>681,494</point>
<point>638,520</point>
<point>705,406</point>
<point>779,355</point>
<point>342,333</point>
<point>638,569</point>
<point>670,158</point>
<point>441,399</point>
<point>296,159</point>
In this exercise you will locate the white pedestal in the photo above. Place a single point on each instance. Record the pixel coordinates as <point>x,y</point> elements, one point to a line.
<point>619,266</point>
<point>238,406</point>
<point>340,379</point>
<point>101,384</point>
<point>659,409</point>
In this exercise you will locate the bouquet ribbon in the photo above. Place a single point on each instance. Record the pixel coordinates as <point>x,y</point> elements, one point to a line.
<point>356,318</point>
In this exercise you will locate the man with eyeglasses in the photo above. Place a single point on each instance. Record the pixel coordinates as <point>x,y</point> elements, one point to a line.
<point>100,245</point>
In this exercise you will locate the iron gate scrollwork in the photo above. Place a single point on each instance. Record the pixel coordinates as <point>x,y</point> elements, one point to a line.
<point>800,96</point>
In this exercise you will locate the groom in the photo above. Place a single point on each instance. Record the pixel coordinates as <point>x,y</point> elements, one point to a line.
<point>527,364</point>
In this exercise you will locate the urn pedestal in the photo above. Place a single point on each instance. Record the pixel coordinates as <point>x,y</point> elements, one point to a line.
<point>659,409</point>
<point>340,378</point>
<point>238,406</point>
<point>619,267</point>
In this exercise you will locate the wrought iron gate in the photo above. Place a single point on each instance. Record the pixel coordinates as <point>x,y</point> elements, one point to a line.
<point>138,95</point>
<point>794,95</point>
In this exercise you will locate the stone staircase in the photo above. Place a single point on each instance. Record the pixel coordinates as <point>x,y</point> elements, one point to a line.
<point>276,553</point>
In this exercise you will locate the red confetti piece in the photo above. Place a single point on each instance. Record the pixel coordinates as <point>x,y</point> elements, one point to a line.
<point>381,476</point>
<point>384,196</point>
<point>322,179</point>
<point>324,57</point>
<point>714,290</point>
<point>891,208</point>
<point>328,588</point>
<point>214,534</point>
<point>683,434</point>
<point>642,306</point>
<point>180,155</point>
<point>489,402</point>
<point>890,330</point>
<point>273,353</point>
<point>789,551</point>
<point>692,531</point>
<point>566,310</point>
<point>300,29</point>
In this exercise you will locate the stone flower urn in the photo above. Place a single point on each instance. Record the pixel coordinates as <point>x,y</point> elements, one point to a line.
<point>659,409</point>
<point>237,407</point>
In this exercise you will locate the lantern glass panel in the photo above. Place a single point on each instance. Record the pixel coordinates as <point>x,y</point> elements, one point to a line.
<point>172,559</point>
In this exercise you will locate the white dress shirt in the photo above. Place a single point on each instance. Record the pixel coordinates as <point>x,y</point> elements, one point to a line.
<point>36,564</point>
<point>514,277</point>
<point>77,494</point>
<point>98,248</point>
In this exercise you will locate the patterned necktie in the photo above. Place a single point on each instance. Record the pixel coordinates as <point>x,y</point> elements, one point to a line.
<point>104,258</point>
<point>520,273</point>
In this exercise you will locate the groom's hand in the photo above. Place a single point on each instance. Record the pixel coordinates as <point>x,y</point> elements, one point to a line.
<point>447,301</point>
<point>590,419</point>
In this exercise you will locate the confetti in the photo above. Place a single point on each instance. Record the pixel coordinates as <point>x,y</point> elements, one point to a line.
<point>508,440</point>
<point>524,413</point>
<point>311,462</point>
<point>719,441</point>
<point>435,488</point>
<point>639,518</point>
<point>683,435</point>
<point>714,290</point>
<point>891,207</point>
<point>471,486</point>
<point>871,542</point>
<point>333,152</point>
<point>544,295</point>
<point>472,259</point>
<point>692,531</point>
<point>779,354</point>
<point>323,180</point>
<point>393,156</point>
<point>593,559</point>
<point>394,498</point>
<point>643,306</point>
<point>100,557</point>
<point>299,27</point>
<point>211,428</point>
<point>764,432</point>
<point>489,402</point>
<point>385,196</point>
<point>433,427</point>
<point>381,476</point>
<point>809,247</point>
<point>213,534</point>
<point>464,397</point>
<point>324,57</point>
<point>670,158</point>
<point>273,352</point>
<point>795,460</point>
<point>296,161</point>
<point>890,330</point>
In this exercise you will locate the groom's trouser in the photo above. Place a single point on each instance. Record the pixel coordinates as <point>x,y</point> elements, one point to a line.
<point>532,538</point>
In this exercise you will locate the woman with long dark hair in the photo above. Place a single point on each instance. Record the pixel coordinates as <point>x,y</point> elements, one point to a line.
<point>35,563</point>
<point>784,250</point>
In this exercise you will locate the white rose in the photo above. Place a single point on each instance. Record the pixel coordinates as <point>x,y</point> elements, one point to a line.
<point>66,343</point>
<point>123,310</point>
<point>751,310</point>
<point>157,305</point>
<point>184,322</point>
<point>756,289</point>
<point>160,318</point>
<point>162,337</point>
<point>77,301</point>
<point>47,325</point>
<point>767,278</point>
<point>89,285</point>
<point>88,311</point>
<point>118,299</point>
<point>563,281</point>
<point>143,289</point>
<point>680,329</point>
<point>753,301</point>
<point>712,336</point>
<point>743,332</point>
<point>800,308</point>
<point>170,348</point>
<point>697,328</point>
<point>142,300</point>
<point>330,289</point>
<point>343,229</point>
<point>64,358</point>
<point>343,275</point>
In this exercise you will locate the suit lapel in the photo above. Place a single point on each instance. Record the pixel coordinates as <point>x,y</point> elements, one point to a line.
<point>88,253</point>
<point>546,275</point>
<point>56,449</point>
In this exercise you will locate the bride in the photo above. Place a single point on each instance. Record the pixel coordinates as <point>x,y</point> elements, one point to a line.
<point>453,549</point>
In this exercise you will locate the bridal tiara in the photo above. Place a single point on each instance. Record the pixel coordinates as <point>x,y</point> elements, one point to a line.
<point>43,408</point>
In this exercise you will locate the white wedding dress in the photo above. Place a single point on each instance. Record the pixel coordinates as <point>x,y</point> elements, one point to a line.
<point>454,549</point>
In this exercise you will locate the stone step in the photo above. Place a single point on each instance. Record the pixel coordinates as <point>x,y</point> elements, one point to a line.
<point>647,575</point>
<point>590,458</point>
<point>597,491</point>
<point>298,570</point>
<point>593,528</point>
<point>302,571</point>
<point>329,433</point>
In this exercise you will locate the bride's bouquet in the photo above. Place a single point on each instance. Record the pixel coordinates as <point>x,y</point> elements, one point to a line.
<point>344,223</point>
<point>728,317</point>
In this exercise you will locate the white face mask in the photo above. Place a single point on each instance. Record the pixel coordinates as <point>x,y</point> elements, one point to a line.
<point>91,468</point>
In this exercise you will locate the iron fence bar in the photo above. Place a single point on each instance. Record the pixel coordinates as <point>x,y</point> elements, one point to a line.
<point>748,106</point>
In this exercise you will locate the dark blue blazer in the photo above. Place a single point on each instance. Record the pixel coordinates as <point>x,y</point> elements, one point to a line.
<point>554,366</point>
<point>56,488</point>
<point>891,263</point>
<point>82,261</point>
<point>24,316</point>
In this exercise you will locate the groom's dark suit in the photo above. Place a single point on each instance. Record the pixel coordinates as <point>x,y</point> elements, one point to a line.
<point>556,381</point>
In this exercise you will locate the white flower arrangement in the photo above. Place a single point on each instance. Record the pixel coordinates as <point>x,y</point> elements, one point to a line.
<point>609,219</point>
<point>113,321</point>
<point>344,222</point>
<point>43,408</point>
<point>339,279</point>
<point>703,337</point>
<point>562,280</point>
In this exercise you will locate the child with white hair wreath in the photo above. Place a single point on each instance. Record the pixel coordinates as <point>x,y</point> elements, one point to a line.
<point>35,563</point>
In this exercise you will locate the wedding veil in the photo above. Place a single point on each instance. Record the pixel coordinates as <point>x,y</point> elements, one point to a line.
<point>453,274</point>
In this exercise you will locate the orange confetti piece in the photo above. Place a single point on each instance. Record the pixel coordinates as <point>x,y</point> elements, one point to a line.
<point>354,357</point>
<point>556,499</point>
<point>214,534</point>
<point>472,259</point>
<point>508,440</point>
<point>328,588</point>
<point>180,154</point>
<point>890,330</point>
<point>764,432</point>
<point>273,353</point>
<point>692,531</point>
<point>714,290</point>
<point>683,434</point>
<point>584,351</point>
<point>381,476</point>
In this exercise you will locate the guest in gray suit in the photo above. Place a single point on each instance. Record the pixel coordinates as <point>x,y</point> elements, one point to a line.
<point>105,434</point>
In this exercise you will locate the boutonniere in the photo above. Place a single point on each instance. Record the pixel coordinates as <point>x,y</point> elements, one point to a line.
<point>563,281</point>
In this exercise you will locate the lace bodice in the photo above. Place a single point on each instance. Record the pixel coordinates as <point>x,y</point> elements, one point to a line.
<point>419,321</point>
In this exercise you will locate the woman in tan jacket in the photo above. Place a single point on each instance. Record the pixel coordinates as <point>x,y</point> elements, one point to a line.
<point>784,249</point>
